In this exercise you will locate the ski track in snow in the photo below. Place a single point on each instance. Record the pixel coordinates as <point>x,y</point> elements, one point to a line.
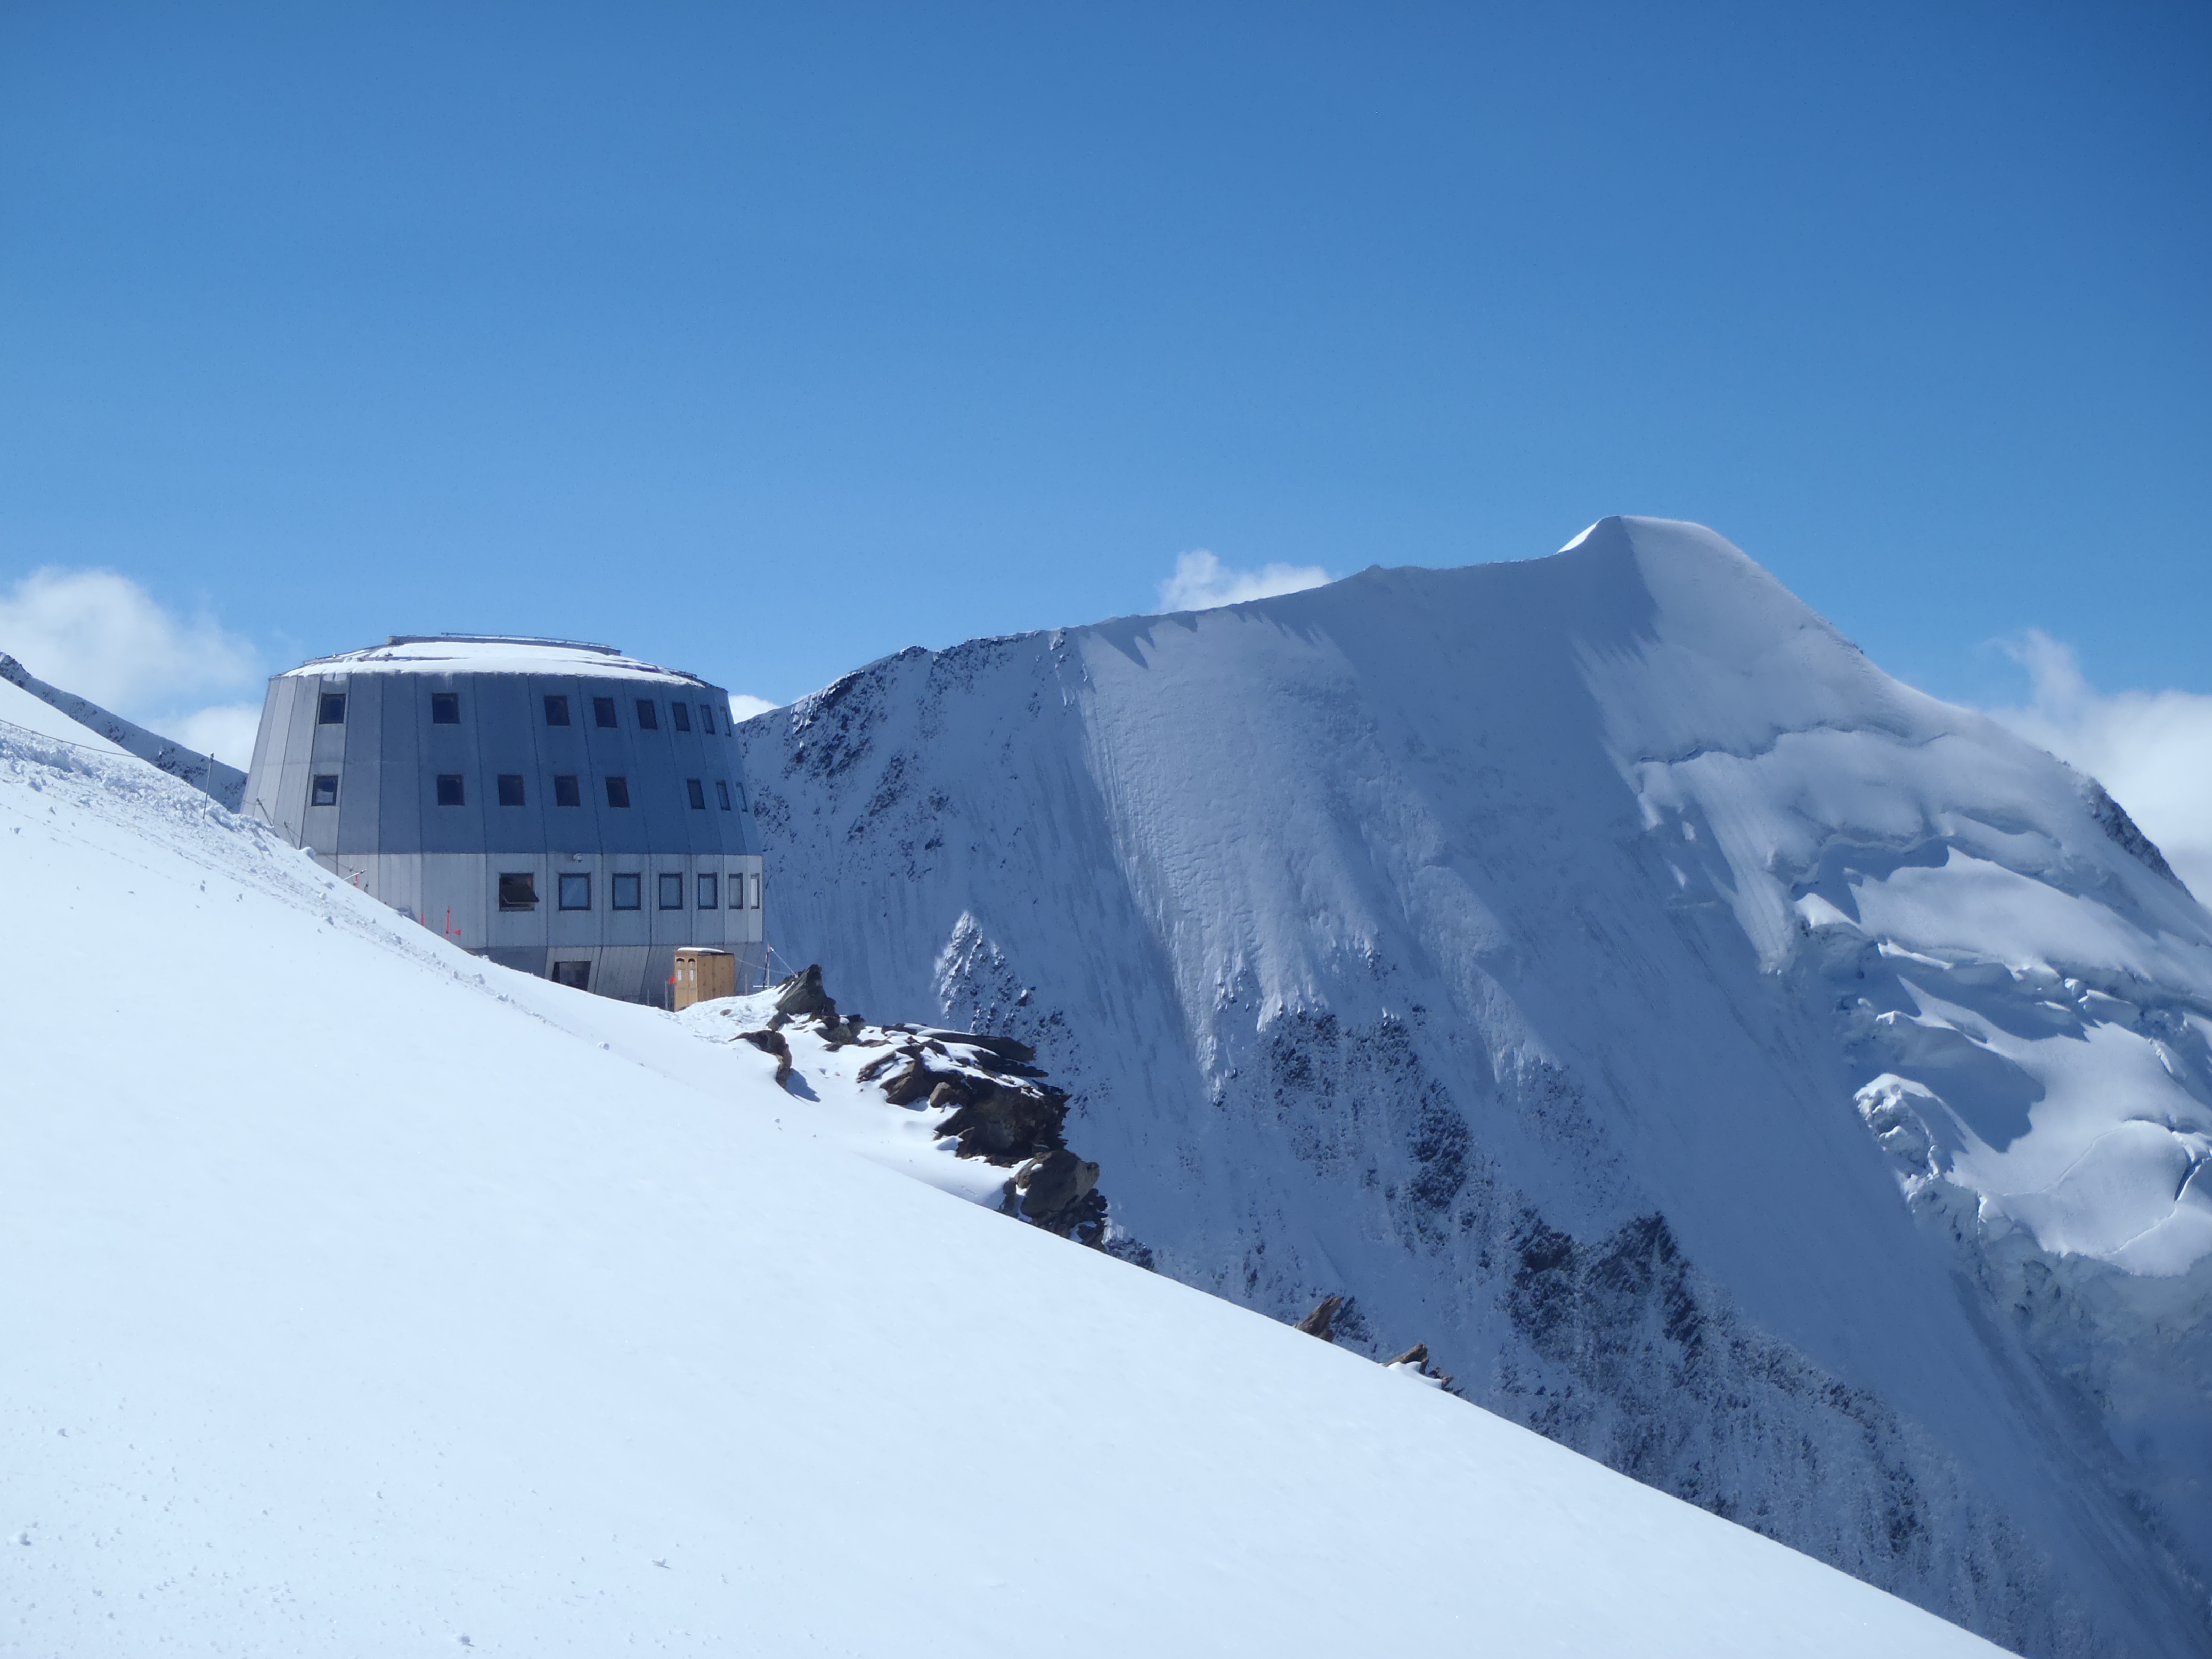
<point>366,1297</point>
<point>1789,1089</point>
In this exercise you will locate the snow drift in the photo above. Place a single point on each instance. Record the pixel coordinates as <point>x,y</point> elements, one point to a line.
<point>1787,1088</point>
<point>365,1297</point>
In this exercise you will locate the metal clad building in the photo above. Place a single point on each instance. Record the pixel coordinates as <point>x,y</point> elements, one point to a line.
<point>558,807</point>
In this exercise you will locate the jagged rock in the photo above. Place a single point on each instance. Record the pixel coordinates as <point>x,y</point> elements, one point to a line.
<point>1416,1356</point>
<point>1054,1186</point>
<point>874,1068</point>
<point>771,1043</point>
<point>801,996</point>
<point>1005,1125</point>
<point>1321,1321</point>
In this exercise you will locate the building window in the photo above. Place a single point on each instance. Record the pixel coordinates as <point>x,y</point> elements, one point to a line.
<point>556,711</point>
<point>706,717</point>
<point>617,792</point>
<point>672,892</point>
<point>326,790</point>
<point>602,713</point>
<point>722,794</point>
<point>698,790</point>
<point>576,892</point>
<point>518,892</point>
<point>333,710</point>
<point>737,890</point>
<point>625,893</point>
<point>449,789</point>
<point>565,792</point>
<point>709,893</point>
<point>648,717</point>
<point>756,892</point>
<point>576,975</point>
<point>444,708</point>
<point>510,789</point>
<point>681,714</point>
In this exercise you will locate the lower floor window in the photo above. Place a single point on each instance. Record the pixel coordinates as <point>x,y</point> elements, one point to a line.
<point>578,974</point>
<point>625,892</point>
<point>449,790</point>
<point>576,892</point>
<point>756,892</point>
<point>518,892</point>
<point>708,899</point>
<point>672,892</point>
<point>326,789</point>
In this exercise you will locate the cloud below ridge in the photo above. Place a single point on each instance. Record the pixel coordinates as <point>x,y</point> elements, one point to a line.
<point>1201,582</point>
<point>2151,749</point>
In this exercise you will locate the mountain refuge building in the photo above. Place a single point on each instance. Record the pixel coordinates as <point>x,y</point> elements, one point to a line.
<point>555,806</point>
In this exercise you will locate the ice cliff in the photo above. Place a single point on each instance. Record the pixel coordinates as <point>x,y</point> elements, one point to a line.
<point>1789,1089</point>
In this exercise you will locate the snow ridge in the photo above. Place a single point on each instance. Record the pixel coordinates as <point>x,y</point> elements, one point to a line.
<point>1513,950</point>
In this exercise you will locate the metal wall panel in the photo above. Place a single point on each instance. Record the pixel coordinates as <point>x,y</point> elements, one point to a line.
<point>399,766</point>
<point>362,771</point>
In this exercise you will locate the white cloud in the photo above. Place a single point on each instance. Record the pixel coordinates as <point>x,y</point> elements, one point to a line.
<point>742,707</point>
<point>1202,581</point>
<point>103,636</point>
<point>2151,749</point>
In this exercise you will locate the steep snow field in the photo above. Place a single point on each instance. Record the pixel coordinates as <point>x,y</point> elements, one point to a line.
<point>364,1298</point>
<point>1789,1088</point>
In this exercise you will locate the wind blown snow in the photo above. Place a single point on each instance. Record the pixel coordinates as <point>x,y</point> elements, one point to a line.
<point>1202,582</point>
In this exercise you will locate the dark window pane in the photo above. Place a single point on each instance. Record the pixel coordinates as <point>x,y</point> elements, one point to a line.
<point>722,794</point>
<point>681,714</point>
<point>706,717</point>
<point>444,708</point>
<point>576,892</point>
<point>603,711</point>
<point>617,792</point>
<point>518,892</point>
<point>326,789</point>
<point>449,789</point>
<point>510,789</point>
<point>708,899</point>
<point>698,790</point>
<point>625,894</point>
<point>649,716</point>
<point>556,711</point>
<point>575,975</point>
<point>333,711</point>
<point>672,892</point>
<point>737,891</point>
<point>756,892</point>
<point>565,792</point>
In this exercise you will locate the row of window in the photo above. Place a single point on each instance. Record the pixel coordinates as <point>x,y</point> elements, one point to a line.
<point>626,892</point>
<point>446,710</point>
<point>453,791</point>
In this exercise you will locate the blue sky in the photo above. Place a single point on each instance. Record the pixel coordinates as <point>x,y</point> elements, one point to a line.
<point>765,341</point>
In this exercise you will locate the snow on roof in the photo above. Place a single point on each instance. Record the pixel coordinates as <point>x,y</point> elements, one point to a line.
<point>492,654</point>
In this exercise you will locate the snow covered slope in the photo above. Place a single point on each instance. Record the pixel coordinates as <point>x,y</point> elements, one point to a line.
<point>1789,1088</point>
<point>363,1297</point>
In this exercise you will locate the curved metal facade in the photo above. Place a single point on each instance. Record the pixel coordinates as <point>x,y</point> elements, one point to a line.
<point>558,808</point>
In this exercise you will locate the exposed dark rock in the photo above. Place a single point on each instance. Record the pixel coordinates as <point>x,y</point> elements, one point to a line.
<point>771,1043</point>
<point>1321,1321</point>
<point>1053,1188</point>
<point>1418,1355</point>
<point>1006,1125</point>
<point>2112,818</point>
<point>801,996</point>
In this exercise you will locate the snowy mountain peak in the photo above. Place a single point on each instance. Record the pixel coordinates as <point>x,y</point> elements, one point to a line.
<point>1596,968</point>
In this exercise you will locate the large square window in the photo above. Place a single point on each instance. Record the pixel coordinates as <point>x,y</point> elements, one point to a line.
<point>672,892</point>
<point>617,792</point>
<point>709,893</point>
<point>334,710</point>
<point>576,975</point>
<point>326,790</point>
<point>444,708</point>
<point>706,717</point>
<point>565,792</point>
<point>698,791</point>
<point>681,714</point>
<point>602,713</point>
<point>623,893</point>
<point>510,789</point>
<point>518,892</point>
<point>556,711</point>
<point>722,794</point>
<point>649,716</point>
<point>576,892</point>
<point>449,790</point>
